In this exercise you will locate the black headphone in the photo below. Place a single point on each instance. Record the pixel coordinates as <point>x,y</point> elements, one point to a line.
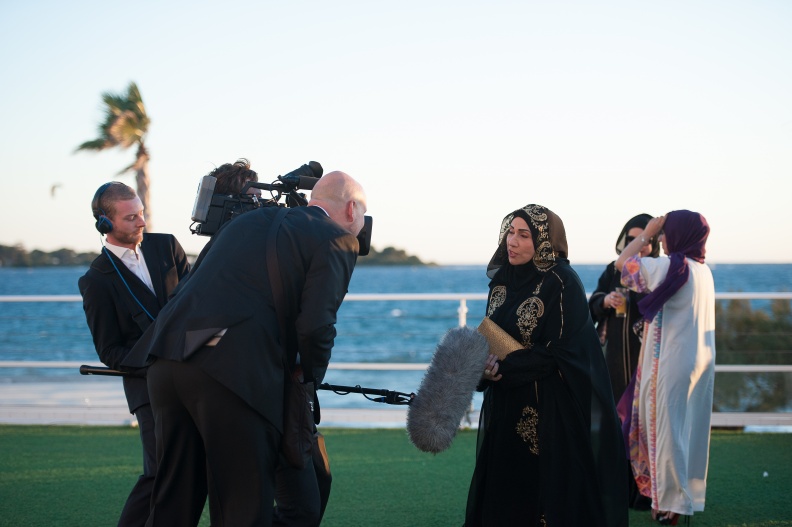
<point>103,223</point>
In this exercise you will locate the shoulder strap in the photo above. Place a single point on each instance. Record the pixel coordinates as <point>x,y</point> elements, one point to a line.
<point>273,267</point>
<point>276,285</point>
<point>137,315</point>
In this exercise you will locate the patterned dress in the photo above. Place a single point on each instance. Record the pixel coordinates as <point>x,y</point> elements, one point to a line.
<point>672,406</point>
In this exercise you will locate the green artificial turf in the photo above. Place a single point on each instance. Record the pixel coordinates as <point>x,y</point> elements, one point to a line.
<point>80,476</point>
<point>379,478</point>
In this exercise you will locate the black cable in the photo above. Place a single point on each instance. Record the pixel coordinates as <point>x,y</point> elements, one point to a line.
<point>126,284</point>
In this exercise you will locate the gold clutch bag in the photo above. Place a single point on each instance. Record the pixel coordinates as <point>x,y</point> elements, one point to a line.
<point>500,342</point>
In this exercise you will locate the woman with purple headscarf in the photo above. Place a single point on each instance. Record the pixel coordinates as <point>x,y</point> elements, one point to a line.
<point>672,404</point>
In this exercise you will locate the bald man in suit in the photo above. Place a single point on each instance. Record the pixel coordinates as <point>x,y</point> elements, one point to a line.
<point>123,291</point>
<point>220,361</point>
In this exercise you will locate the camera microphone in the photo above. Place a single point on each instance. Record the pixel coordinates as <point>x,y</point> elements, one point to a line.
<point>446,391</point>
<point>303,178</point>
<point>203,198</point>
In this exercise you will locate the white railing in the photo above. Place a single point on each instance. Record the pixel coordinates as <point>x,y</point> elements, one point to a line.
<point>719,418</point>
<point>462,310</point>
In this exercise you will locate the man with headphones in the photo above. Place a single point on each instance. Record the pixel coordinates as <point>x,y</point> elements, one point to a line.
<point>123,291</point>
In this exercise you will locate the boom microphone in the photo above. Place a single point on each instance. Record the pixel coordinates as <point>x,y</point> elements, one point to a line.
<point>447,389</point>
<point>305,177</point>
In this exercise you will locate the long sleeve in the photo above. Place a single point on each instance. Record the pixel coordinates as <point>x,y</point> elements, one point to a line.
<point>325,286</point>
<point>604,286</point>
<point>527,365</point>
<point>555,332</point>
<point>103,318</point>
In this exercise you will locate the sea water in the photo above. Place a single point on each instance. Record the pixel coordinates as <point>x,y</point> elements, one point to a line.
<point>368,331</point>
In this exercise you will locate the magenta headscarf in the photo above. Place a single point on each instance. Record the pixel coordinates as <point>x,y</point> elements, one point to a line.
<point>686,235</point>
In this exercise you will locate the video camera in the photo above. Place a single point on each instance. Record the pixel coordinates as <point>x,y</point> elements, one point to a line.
<point>212,210</point>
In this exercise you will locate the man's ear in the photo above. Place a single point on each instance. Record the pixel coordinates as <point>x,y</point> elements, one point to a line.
<point>349,211</point>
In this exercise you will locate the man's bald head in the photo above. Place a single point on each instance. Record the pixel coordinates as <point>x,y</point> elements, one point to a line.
<point>343,198</point>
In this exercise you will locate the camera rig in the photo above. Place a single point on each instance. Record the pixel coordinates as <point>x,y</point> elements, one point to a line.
<point>211,210</point>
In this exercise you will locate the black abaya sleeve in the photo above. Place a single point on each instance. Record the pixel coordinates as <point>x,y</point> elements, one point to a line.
<point>527,365</point>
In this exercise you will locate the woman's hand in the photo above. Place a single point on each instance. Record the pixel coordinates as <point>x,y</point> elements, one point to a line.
<point>491,369</point>
<point>654,226</point>
<point>612,300</point>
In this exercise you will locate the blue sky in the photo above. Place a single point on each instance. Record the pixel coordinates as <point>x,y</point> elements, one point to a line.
<point>451,114</point>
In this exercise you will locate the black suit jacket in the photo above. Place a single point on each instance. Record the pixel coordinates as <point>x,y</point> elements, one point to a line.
<point>116,321</point>
<point>229,288</point>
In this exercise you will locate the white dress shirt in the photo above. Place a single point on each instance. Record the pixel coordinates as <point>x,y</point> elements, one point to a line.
<point>134,261</point>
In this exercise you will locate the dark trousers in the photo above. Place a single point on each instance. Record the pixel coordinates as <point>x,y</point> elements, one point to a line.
<point>301,494</point>
<point>209,441</point>
<point>137,506</point>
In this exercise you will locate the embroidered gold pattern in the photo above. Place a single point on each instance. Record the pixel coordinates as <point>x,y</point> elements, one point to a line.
<point>497,297</point>
<point>544,257</point>
<point>526,429</point>
<point>536,213</point>
<point>528,315</point>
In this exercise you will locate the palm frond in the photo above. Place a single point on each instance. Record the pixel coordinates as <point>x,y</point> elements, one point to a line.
<point>96,144</point>
<point>125,129</point>
<point>136,105</point>
<point>114,104</point>
<point>125,121</point>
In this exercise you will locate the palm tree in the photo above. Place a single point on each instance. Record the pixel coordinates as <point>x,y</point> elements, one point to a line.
<point>126,124</point>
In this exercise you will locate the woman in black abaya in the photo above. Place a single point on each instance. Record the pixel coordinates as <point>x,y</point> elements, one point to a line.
<point>618,334</point>
<point>622,344</point>
<point>550,449</point>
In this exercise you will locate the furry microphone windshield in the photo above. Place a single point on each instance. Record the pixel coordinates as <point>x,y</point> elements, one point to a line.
<point>446,391</point>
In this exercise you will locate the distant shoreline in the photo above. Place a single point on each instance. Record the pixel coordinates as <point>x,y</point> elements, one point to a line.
<point>19,257</point>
